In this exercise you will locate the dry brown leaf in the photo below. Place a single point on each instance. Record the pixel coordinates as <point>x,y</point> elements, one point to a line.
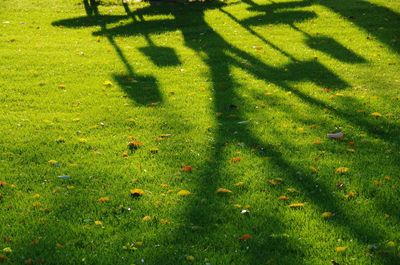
<point>235,159</point>
<point>283,198</point>
<point>245,237</point>
<point>103,199</point>
<point>223,190</point>
<point>187,168</point>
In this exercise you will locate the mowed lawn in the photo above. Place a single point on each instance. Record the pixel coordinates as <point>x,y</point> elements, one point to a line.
<point>172,133</point>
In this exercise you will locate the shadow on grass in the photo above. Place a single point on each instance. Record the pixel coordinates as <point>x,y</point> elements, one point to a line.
<point>211,213</point>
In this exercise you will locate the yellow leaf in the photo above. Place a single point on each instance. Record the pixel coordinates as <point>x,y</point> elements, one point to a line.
<point>340,249</point>
<point>314,169</point>
<point>137,192</point>
<point>164,185</point>
<point>376,114</point>
<point>147,218</point>
<point>291,190</point>
<point>342,170</point>
<point>98,222</point>
<point>237,206</point>
<point>190,258</point>
<point>350,195</point>
<point>7,250</point>
<point>327,215</point>
<point>223,190</point>
<point>36,196</point>
<point>317,141</point>
<point>52,162</point>
<point>36,204</point>
<point>183,193</point>
<point>108,83</point>
<point>239,184</point>
<point>296,205</point>
<point>275,182</point>
<point>164,222</point>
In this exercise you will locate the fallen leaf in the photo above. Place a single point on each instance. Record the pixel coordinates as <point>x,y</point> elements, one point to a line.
<point>164,221</point>
<point>350,195</point>
<point>125,154</point>
<point>340,249</point>
<point>391,244</point>
<point>314,169</point>
<point>235,159</point>
<point>154,150</point>
<point>108,83</point>
<point>283,198</point>
<point>342,170</point>
<point>61,86</point>
<point>190,258</point>
<point>317,141</point>
<point>147,218</point>
<point>98,222</point>
<point>36,204</point>
<point>52,162</point>
<point>239,184</point>
<point>376,114</point>
<point>291,190</point>
<point>3,258</point>
<point>327,215</point>
<point>184,193</point>
<point>59,245</point>
<point>296,205</point>
<point>103,199</point>
<point>7,250</point>
<point>275,182</point>
<point>223,190</point>
<point>187,168</point>
<point>137,193</point>
<point>134,145</point>
<point>245,237</point>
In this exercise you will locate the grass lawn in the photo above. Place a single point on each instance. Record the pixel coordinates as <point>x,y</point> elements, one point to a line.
<point>217,114</point>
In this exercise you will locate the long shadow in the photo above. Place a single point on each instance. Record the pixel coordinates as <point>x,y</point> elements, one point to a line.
<point>377,21</point>
<point>219,59</point>
<point>225,95</point>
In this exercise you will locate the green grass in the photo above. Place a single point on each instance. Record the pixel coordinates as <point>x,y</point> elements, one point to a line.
<point>260,80</point>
